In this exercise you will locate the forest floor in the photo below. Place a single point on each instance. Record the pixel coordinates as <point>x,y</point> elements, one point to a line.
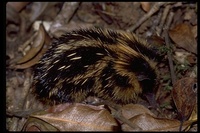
<point>173,25</point>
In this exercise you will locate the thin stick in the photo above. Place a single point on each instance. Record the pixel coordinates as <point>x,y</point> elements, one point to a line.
<point>173,77</point>
<point>153,10</point>
<point>163,19</point>
<point>118,115</point>
<point>65,15</point>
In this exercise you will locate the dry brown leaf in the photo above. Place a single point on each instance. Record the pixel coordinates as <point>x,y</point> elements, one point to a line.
<point>184,38</point>
<point>32,61</point>
<point>78,117</point>
<point>35,124</point>
<point>32,57</point>
<point>148,122</point>
<point>193,116</point>
<point>36,47</point>
<point>18,5</point>
<point>192,59</point>
<point>184,95</point>
<point>156,40</point>
<point>158,43</point>
<point>131,110</point>
<point>194,30</point>
<point>145,6</point>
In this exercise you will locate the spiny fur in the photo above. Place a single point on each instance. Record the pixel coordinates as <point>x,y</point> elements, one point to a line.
<point>112,65</point>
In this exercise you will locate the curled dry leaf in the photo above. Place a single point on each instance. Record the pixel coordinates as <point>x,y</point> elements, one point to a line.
<point>192,59</point>
<point>184,95</point>
<point>40,45</point>
<point>193,116</point>
<point>32,61</point>
<point>183,36</point>
<point>156,40</point>
<point>148,122</point>
<point>77,117</point>
<point>36,47</point>
<point>34,124</point>
<point>145,6</point>
<point>131,110</point>
<point>158,43</point>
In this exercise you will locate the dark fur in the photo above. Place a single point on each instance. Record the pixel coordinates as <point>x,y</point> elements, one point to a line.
<point>112,65</point>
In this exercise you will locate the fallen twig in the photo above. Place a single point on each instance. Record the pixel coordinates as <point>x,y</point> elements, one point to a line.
<point>163,19</point>
<point>153,10</point>
<point>170,17</point>
<point>118,115</point>
<point>66,14</point>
